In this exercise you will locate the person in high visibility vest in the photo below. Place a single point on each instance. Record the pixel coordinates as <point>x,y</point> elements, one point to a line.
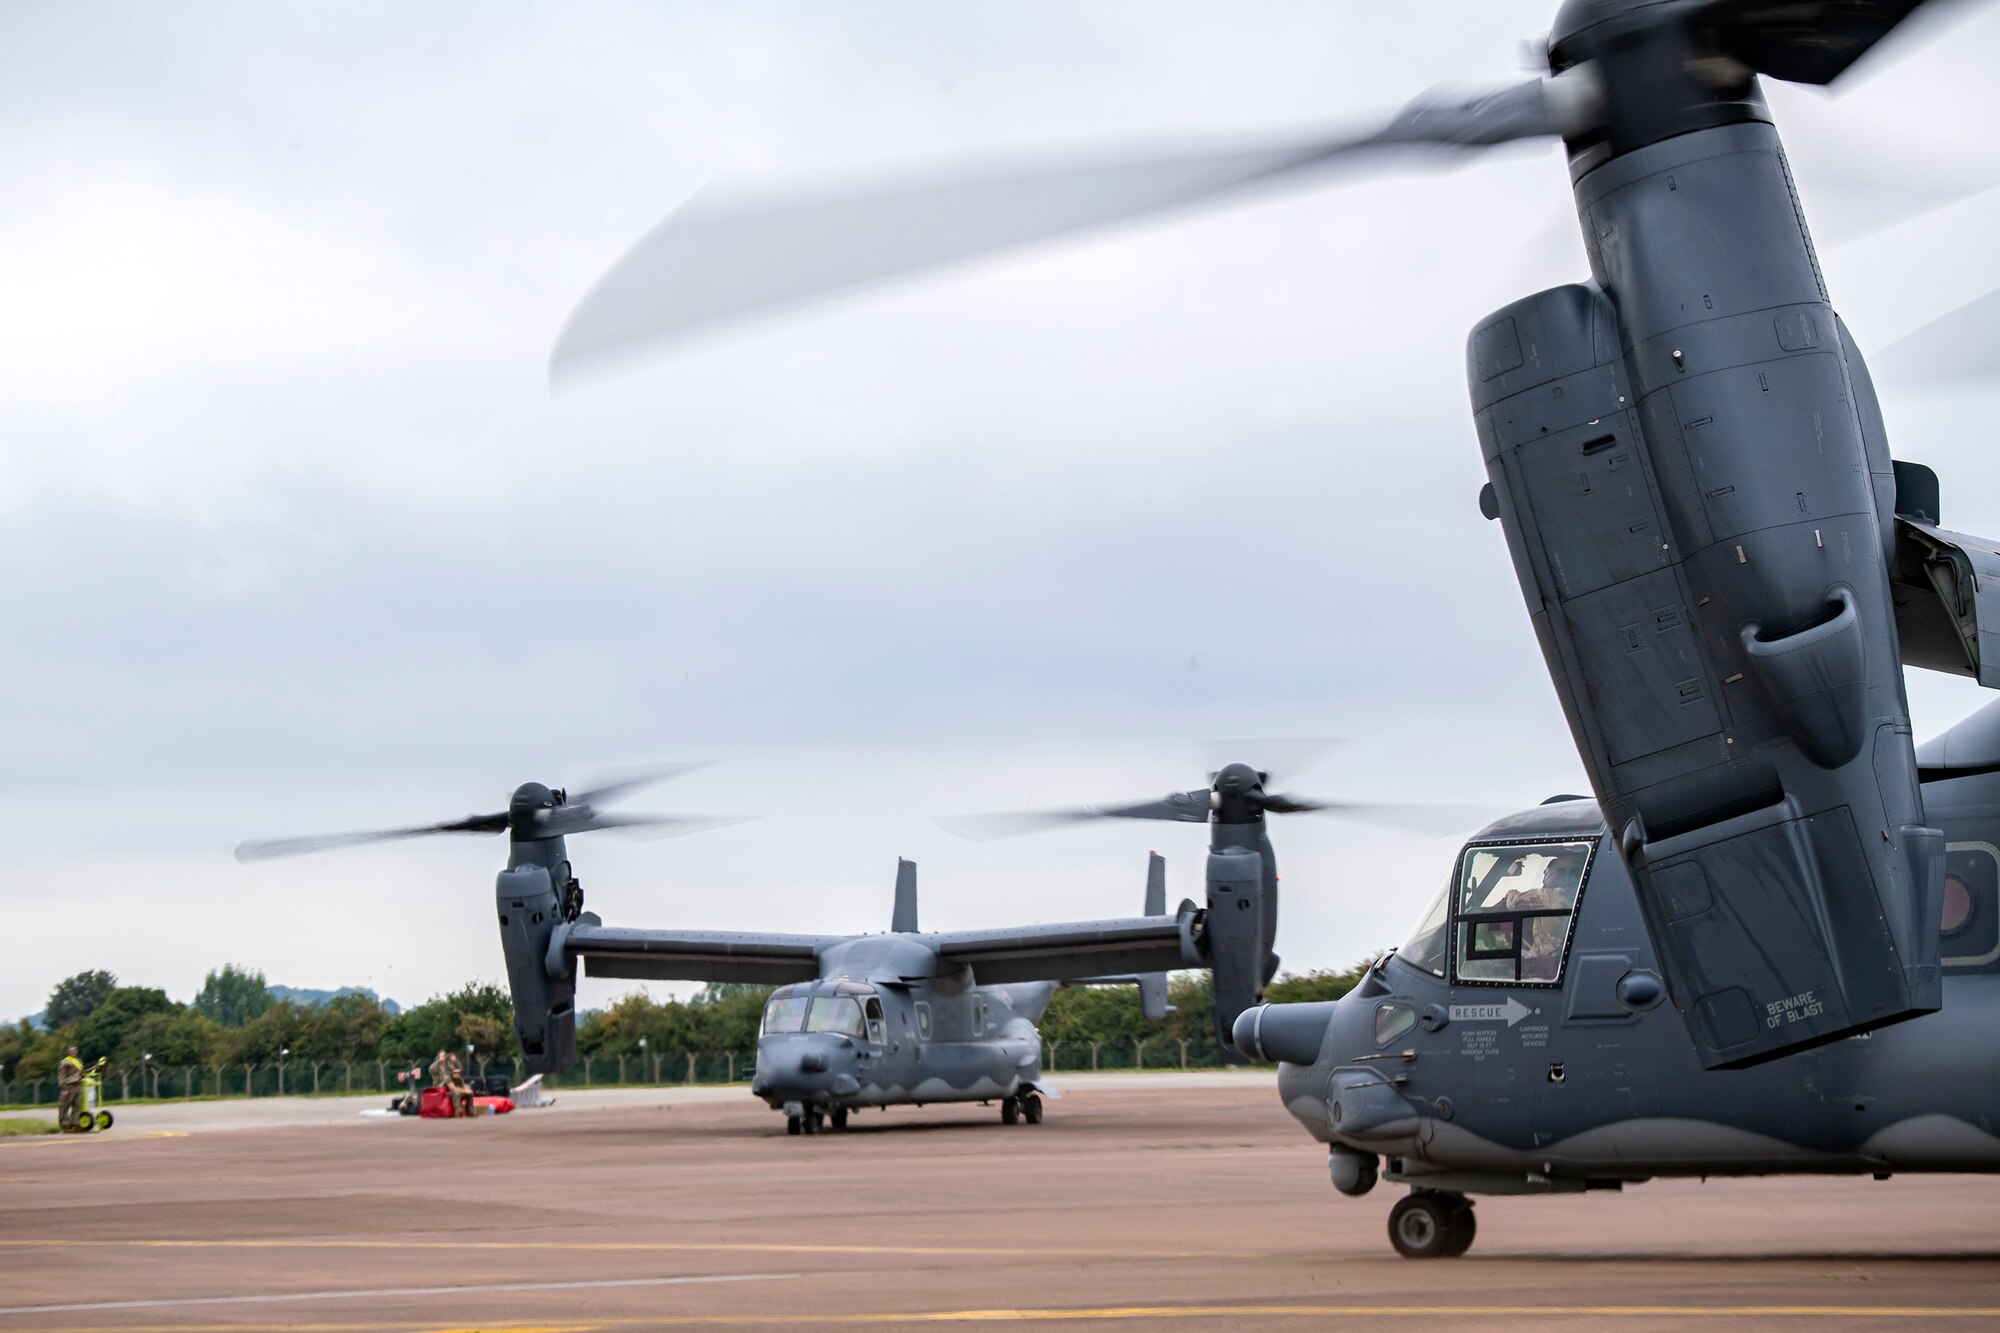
<point>69,1091</point>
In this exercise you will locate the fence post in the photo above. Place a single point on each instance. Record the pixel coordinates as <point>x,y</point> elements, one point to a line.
<point>1093,1057</point>
<point>1054,1046</point>
<point>124,1085</point>
<point>381,1075</point>
<point>1139,1055</point>
<point>732,1066</point>
<point>690,1073</point>
<point>1184,1055</point>
<point>249,1080</point>
<point>621,1070</point>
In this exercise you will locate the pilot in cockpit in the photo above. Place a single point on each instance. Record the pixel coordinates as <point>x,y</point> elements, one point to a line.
<point>1542,936</point>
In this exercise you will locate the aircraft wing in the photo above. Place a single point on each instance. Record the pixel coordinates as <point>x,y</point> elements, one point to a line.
<point>1070,951</point>
<point>693,955</point>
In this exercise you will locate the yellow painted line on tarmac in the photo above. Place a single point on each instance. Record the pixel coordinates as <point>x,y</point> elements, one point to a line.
<point>1102,1313</point>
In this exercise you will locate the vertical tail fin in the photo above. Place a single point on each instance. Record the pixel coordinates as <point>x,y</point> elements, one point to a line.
<point>905,920</point>
<point>1153,985</point>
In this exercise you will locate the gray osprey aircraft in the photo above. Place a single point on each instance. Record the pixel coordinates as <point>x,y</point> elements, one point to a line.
<point>902,1018</point>
<point>1517,1042</point>
<point>1727,573</point>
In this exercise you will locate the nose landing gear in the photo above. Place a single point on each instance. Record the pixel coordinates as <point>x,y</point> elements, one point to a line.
<point>1432,1224</point>
<point>811,1120</point>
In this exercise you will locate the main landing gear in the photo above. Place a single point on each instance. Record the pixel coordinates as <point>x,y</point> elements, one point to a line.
<point>1432,1224</point>
<point>1027,1106</point>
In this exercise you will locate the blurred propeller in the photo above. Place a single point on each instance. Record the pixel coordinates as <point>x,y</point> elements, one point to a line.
<point>535,812</point>
<point>265,849</point>
<point>1961,346</point>
<point>1803,41</point>
<point>727,254</point>
<point>1237,796</point>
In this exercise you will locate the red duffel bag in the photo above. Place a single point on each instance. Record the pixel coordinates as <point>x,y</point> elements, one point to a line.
<point>435,1104</point>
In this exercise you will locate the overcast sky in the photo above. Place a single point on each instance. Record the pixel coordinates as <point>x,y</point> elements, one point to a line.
<point>296,537</point>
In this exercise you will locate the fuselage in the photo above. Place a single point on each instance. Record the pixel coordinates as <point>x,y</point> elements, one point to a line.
<point>1467,1064</point>
<point>869,1033</point>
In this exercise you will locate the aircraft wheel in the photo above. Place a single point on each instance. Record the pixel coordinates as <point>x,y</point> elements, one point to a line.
<point>1010,1111</point>
<point>1424,1225</point>
<point>810,1122</point>
<point>794,1124</point>
<point>839,1118</point>
<point>104,1119</point>
<point>1031,1107</point>
<point>1464,1226</point>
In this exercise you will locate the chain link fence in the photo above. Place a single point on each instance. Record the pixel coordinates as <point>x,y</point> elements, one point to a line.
<point>153,1081</point>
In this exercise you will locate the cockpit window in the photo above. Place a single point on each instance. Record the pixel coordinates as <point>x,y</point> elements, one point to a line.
<point>1514,908</point>
<point>1426,946</point>
<point>786,1014</point>
<point>835,1013</point>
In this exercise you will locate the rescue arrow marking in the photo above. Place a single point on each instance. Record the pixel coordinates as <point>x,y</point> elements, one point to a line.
<point>1513,1011</point>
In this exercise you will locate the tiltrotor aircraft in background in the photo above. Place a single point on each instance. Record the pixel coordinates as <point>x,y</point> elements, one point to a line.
<point>1727,574</point>
<point>903,1018</point>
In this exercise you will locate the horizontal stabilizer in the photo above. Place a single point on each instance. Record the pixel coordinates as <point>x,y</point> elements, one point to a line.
<point>1946,590</point>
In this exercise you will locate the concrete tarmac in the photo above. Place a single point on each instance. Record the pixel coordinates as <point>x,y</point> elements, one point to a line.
<point>1150,1201</point>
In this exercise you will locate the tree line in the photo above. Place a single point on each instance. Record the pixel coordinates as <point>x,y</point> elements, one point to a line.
<point>235,1020</point>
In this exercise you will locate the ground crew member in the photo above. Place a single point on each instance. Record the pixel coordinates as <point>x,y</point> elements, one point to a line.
<point>445,1073</point>
<point>460,1089</point>
<point>69,1091</point>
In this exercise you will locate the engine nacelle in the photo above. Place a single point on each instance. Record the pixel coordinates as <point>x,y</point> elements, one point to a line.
<point>1703,562</point>
<point>530,911</point>
<point>1234,937</point>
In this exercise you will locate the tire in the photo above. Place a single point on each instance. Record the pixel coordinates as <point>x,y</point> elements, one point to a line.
<point>1010,1111</point>
<point>1424,1225</point>
<point>838,1119</point>
<point>1031,1106</point>
<point>810,1122</point>
<point>104,1119</point>
<point>1464,1226</point>
<point>793,1125</point>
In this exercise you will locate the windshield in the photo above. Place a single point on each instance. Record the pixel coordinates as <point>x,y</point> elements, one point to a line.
<point>1426,946</point>
<point>786,1014</point>
<point>835,1013</point>
<point>1514,907</point>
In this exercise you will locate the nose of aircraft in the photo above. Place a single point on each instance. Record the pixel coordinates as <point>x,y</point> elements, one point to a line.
<point>804,1067</point>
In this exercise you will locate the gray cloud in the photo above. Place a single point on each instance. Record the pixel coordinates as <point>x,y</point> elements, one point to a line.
<point>297,538</point>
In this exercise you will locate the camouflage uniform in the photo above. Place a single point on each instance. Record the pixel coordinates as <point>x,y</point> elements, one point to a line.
<point>69,1092</point>
<point>446,1072</point>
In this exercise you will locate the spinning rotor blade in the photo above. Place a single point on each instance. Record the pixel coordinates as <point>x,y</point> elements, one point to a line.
<point>1803,41</point>
<point>264,849</point>
<point>643,826</point>
<point>1416,818</point>
<point>536,812</point>
<point>1960,346</point>
<point>723,256</point>
<point>612,787</point>
<point>1184,807</point>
